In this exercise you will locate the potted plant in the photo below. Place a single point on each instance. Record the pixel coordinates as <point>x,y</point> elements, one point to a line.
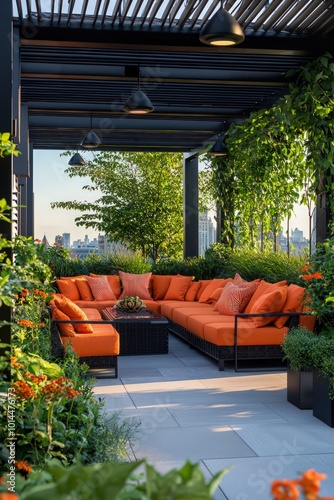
<point>298,347</point>
<point>323,378</point>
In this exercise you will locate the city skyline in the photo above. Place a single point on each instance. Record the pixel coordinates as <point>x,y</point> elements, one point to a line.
<point>51,183</point>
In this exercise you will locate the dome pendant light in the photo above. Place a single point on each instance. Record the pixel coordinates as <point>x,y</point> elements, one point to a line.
<point>76,160</point>
<point>219,148</point>
<point>138,102</point>
<point>222,30</point>
<point>91,140</point>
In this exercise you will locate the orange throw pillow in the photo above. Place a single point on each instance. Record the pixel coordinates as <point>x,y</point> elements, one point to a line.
<point>233,298</point>
<point>160,284</point>
<point>84,290</point>
<point>178,287</point>
<point>215,283</point>
<point>192,291</point>
<point>269,302</point>
<point>113,280</point>
<point>294,303</point>
<point>135,285</point>
<point>214,296</point>
<point>100,288</point>
<point>65,329</point>
<point>204,284</point>
<point>73,312</point>
<point>263,287</point>
<point>68,288</point>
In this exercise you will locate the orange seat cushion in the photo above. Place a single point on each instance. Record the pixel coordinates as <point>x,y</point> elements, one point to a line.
<point>267,303</point>
<point>223,334</point>
<point>68,288</point>
<point>100,288</point>
<point>135,285</point>
<point>103,342</point>
<point>73,312</point>
<point>178,287</point>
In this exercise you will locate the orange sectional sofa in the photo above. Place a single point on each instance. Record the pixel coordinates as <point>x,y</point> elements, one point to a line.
<point>228,319</point>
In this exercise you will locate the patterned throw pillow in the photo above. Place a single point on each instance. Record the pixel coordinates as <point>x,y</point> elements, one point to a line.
<point>234,299</point>
<point>100,288</point>
<point>135,285</point>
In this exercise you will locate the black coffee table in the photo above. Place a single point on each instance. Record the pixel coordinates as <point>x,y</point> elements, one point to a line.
<point>144,332</point>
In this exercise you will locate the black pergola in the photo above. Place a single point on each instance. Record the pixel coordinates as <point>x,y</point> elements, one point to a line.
<point>66,63</point>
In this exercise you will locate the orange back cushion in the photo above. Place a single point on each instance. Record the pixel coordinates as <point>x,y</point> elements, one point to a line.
<point>178,287</point>
<point>293,303</point>
<point>100,288</point>
<point>65,329</point>
<point>135,285</point>
<point>68,288</point>
<point>215,283</point>
<point>272,301</point>
<point>73,312</point>
<point>192,291</point>
<point>263,287</point>
<point>84,290</point>
<point>160,284</point>
<point>204,284</point>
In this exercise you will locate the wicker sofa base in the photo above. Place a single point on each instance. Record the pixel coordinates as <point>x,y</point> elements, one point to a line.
<point>227,353</point>
<point>58,352</point>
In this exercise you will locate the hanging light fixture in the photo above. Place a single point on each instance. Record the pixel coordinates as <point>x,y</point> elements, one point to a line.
<point>222,30</point>
<point>219,148</point>
<point>91,140</point>
<point>138,102</point>
<point>76,160</point>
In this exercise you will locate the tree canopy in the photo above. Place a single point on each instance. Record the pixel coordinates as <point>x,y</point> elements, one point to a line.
<point>140,200</point>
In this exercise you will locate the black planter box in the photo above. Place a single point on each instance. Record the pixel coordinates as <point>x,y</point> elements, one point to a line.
<point>300,388</point>
<point>323,407</point>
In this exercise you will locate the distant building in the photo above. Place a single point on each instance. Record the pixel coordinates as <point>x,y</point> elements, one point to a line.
<point>206,233</point>
<point>105,246</point>
<point>45,241</point>
<point>67,240</point>
<point>83,248</point>
<point>59,240</point>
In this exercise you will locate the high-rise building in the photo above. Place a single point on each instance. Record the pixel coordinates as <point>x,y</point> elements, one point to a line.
<point>206,233</point>
<point>59,240</point>
<point>106,246</point>
<point>67,240</point>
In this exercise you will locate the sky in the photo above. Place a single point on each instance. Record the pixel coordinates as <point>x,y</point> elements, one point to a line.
<point>51,183</point>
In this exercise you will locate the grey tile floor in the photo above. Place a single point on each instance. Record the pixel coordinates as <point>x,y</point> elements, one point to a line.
<point>187,409</point>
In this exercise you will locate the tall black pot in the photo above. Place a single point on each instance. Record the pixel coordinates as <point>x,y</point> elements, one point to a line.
<point>323,407</point>
<point>300,387</point>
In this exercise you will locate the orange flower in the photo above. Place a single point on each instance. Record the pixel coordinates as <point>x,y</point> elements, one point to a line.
<point>38,241</point>
<point>40,293</point>
<point>23,390</point>
<point>37,379</point>
<point>22,467</point>
<point>306,268</point>
<point>24,292</point>
<point>285,489</point>
<point>60,387</point>
<point>310,481</point>
<point>14,363</point>
<point>315,275</point>
<point>41,325</point>
<point>26,322</point>
<point>8,496</point>
<point>2,480</point>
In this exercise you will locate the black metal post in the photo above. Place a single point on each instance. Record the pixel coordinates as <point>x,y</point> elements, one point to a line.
<point>190,207</point>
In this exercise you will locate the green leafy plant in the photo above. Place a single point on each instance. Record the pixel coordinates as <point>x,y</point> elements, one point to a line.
<point>117,481</point>
<point>7,147</point>
<point>298,346</point>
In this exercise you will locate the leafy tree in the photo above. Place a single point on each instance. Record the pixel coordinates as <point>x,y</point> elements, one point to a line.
<point>140,202</point>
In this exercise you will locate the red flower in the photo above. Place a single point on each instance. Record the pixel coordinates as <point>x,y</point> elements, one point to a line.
<point>306,268</point>
<point>315,275</point>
